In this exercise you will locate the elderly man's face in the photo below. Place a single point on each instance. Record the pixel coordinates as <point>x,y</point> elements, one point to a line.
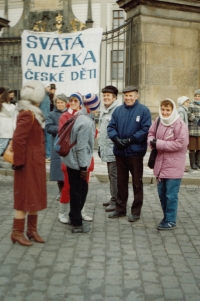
<point>130,97</point>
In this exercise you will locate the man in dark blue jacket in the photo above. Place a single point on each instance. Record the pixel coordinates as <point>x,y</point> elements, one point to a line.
<point>128,130</point>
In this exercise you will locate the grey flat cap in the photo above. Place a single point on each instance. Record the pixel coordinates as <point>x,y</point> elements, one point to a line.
<point>130,89</point>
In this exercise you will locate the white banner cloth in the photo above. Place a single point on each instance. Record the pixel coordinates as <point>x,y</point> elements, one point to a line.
<point>71,61</point>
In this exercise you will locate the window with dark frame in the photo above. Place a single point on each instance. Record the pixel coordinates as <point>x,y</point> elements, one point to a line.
<point>118,18</point>
<point>117,64</point>
<point>15,61</point>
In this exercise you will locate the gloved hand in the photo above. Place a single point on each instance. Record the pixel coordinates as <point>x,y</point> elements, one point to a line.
<point>119,143</point>
<point>99,152</point>
<point>126,142</point>
<point>84,174</point>
<point>198,123</point>
<point>196,120</point>
<point>19,167</point>
<point>153,143</point>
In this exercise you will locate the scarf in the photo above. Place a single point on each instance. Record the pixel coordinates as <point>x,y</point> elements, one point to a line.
<point>26,105</point>
<point>172,118</point>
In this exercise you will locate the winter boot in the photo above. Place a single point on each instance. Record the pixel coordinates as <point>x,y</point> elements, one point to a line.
<point>32,229</point>
<point>197,155</point>
<point>192,160</point>
<point>63,214</point>
<point>85,217</point>
<point>18,233</point>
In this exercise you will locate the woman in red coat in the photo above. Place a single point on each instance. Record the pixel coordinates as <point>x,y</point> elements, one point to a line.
<point>29,164</point>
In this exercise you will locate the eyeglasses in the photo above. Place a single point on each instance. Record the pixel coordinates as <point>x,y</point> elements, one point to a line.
<point>74,100</point>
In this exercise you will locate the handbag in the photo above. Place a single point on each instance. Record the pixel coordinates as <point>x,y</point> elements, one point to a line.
<point>9,154</point>
<point>154,152</point>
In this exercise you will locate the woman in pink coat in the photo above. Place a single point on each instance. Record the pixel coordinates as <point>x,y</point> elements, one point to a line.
<point>170,140</point>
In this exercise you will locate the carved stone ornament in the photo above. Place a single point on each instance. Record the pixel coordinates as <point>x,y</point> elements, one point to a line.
<point>77,25</point>
<point>48,21</point>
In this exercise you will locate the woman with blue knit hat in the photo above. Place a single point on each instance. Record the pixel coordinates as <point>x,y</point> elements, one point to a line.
<point>78,160</point>
<point>74,106</point>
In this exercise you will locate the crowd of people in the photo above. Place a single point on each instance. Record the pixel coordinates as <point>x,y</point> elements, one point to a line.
<point>124,133</point>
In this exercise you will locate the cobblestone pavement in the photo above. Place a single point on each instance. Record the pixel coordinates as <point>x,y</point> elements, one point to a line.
<point>116,261</point>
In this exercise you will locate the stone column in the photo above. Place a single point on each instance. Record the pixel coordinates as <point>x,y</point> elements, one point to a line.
<point>6,29</point>
<point>165,48</point>
<point>68,14</point>
<point>89,22</point>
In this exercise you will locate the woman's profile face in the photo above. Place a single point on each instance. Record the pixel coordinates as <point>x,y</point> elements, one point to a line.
<point>166,111</point>
<point>60,104</point>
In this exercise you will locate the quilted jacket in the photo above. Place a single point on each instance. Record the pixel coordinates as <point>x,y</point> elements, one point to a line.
<point>171,145</point>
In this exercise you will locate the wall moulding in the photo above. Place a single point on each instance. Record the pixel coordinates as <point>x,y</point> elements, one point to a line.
<point>189,6</point>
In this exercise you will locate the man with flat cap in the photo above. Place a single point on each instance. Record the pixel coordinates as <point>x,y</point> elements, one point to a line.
<point>105,150</point>
<point>128,130</point>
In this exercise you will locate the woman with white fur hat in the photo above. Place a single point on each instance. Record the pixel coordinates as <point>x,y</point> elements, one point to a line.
<point>30,194</point>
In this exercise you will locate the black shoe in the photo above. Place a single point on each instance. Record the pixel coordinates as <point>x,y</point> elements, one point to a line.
<point>106,204</point>
<point>81,229</point>
<point>110,208</point>
<point>116,214</point>
<point>77,229</point>
<point>133,218</point>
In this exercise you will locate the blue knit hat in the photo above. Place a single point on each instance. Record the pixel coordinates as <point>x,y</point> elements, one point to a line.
<point>78,96</point>
<point>92,101</point>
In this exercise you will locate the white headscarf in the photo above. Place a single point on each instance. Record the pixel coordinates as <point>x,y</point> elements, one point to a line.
<point>172,118</point>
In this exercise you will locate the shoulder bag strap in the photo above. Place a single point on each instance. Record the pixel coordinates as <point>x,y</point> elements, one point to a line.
<point>158,121</point>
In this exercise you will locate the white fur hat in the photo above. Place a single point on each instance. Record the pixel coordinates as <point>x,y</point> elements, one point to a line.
<point>182,99</point>
<point>33,90</point>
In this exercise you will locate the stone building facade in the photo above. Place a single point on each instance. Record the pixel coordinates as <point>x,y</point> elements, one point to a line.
<point>165,48</point>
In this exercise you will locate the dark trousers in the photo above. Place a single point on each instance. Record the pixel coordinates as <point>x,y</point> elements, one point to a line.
<point>134,164</point>
<point>78,194</point>
<point>112,175</point>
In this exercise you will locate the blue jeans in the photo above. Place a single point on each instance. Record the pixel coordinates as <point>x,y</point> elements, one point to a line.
<point>168,193</point>
<point>47,143</point>
<point>3,145</point>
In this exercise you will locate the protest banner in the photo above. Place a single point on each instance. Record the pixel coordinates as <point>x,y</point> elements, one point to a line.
<point>69,60</point>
